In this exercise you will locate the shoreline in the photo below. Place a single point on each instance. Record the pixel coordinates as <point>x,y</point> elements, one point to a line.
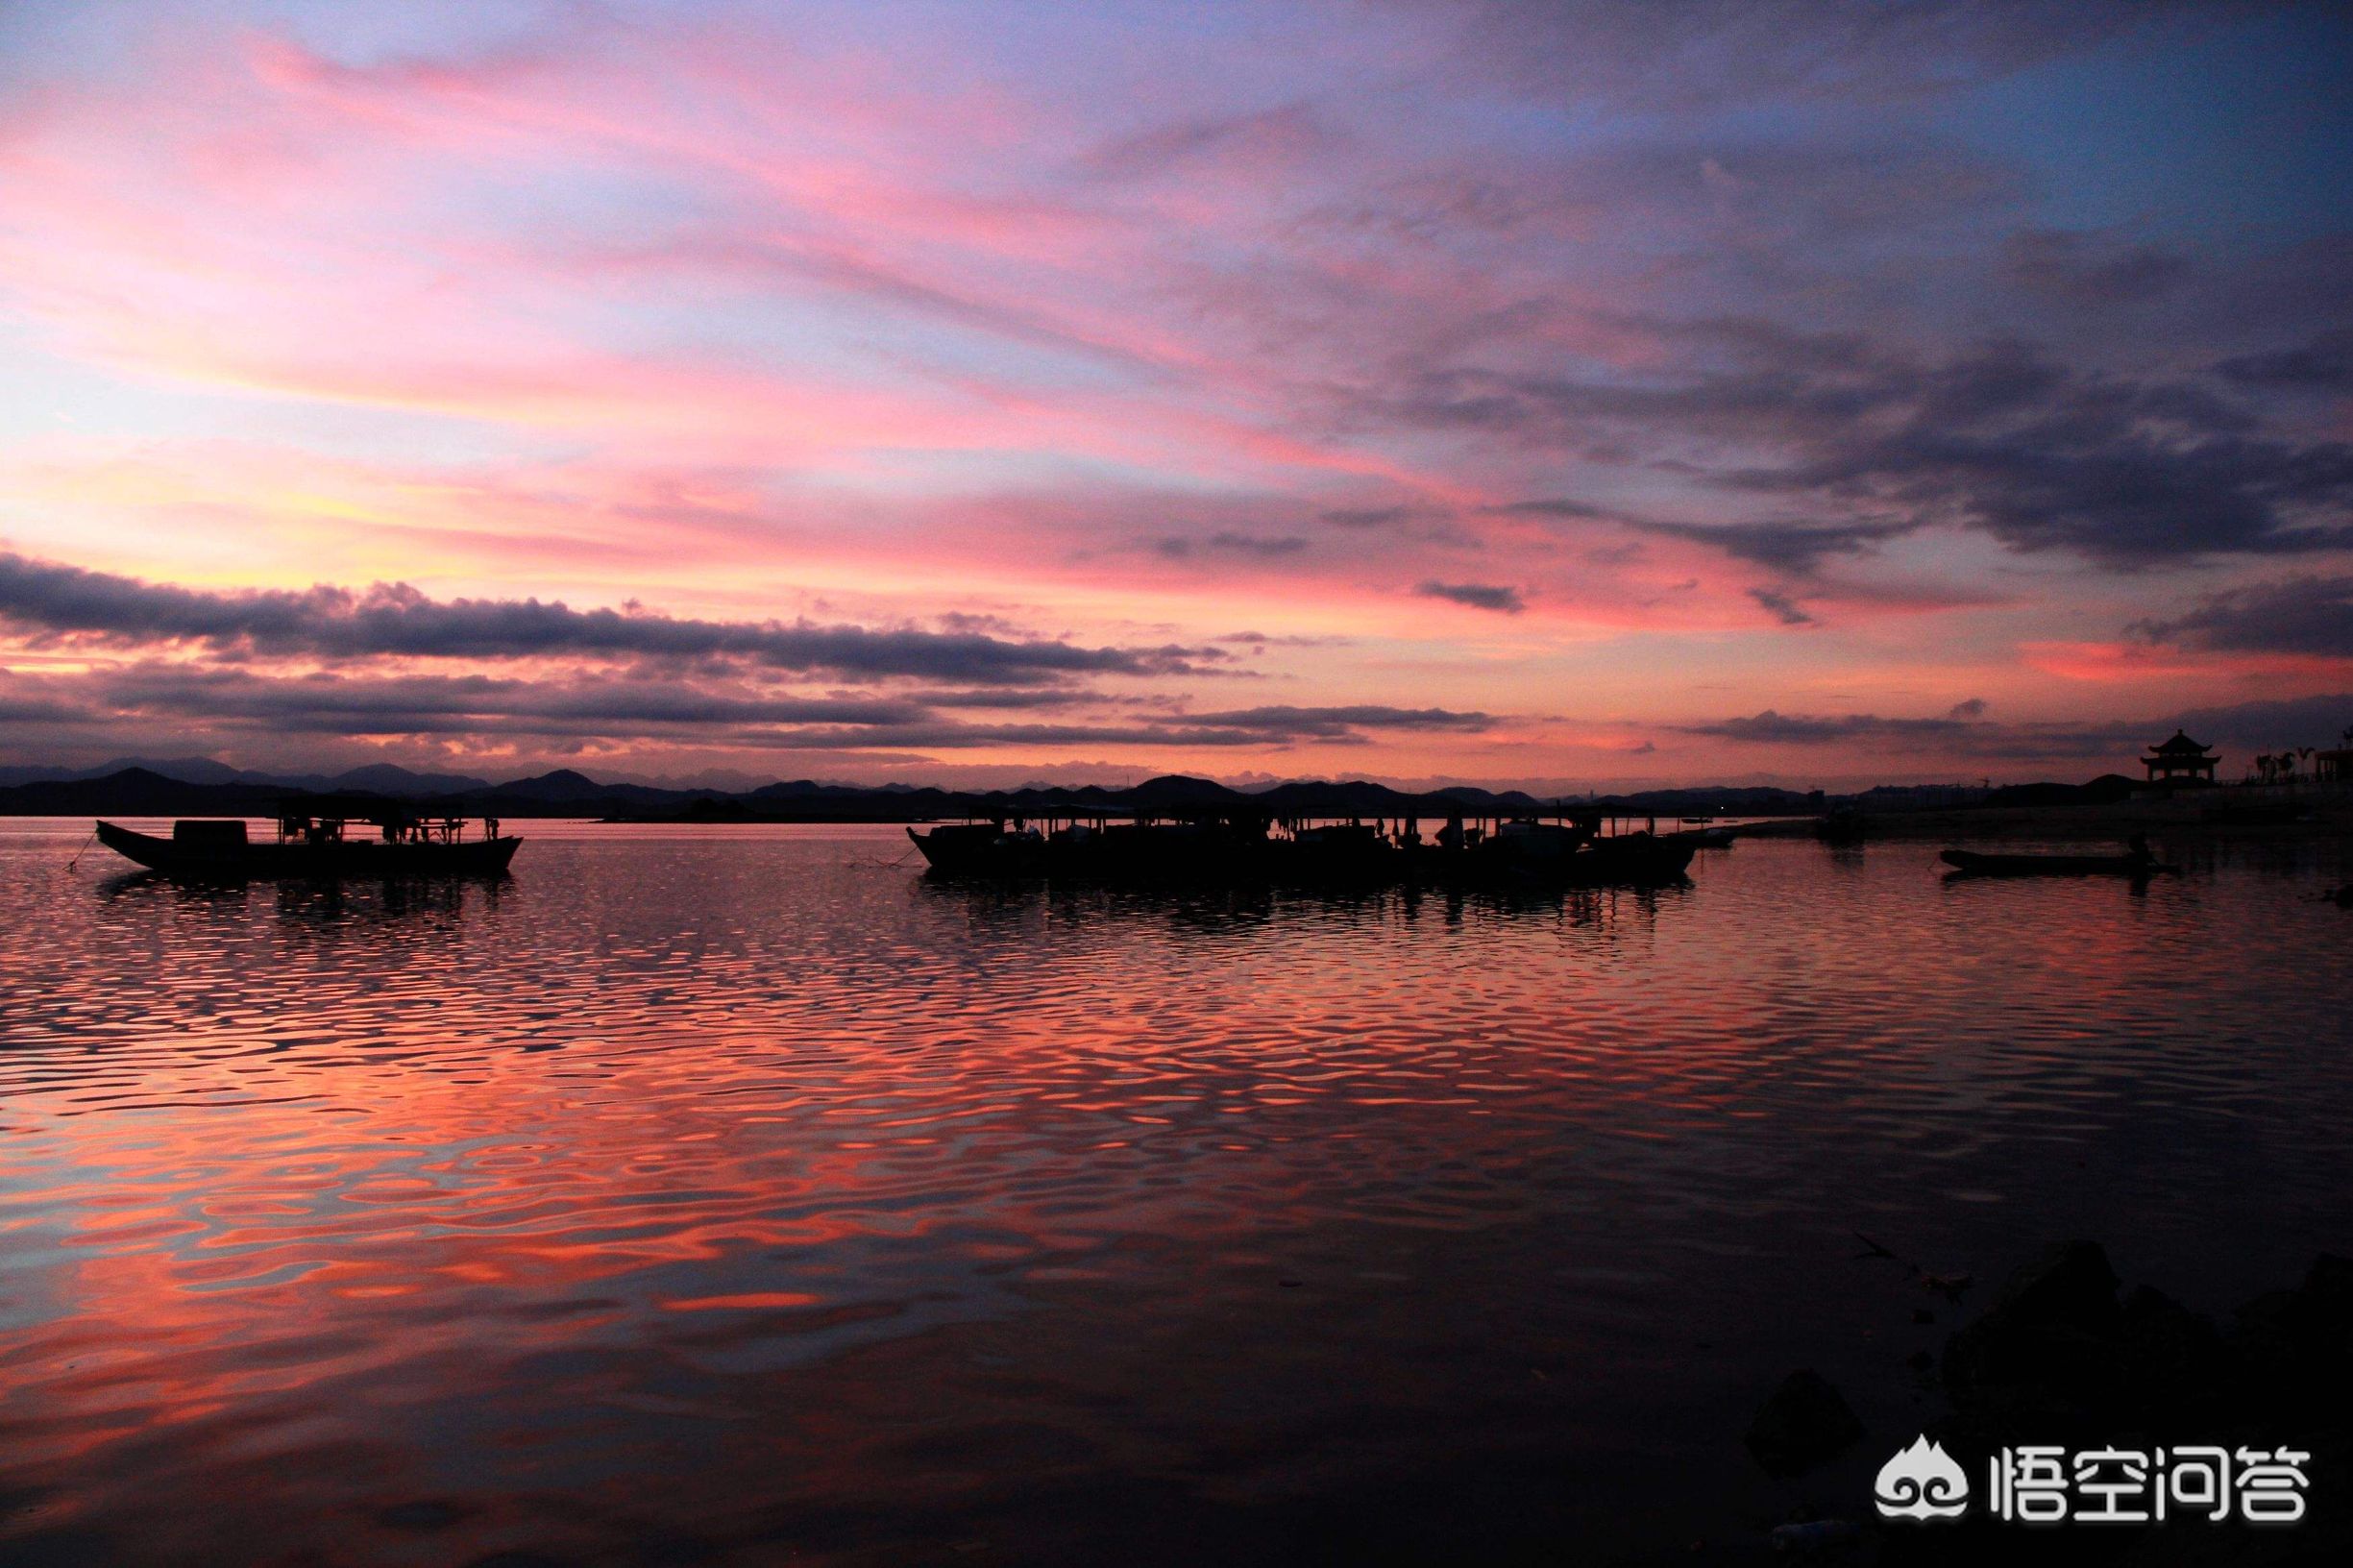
<point>2324,815</point>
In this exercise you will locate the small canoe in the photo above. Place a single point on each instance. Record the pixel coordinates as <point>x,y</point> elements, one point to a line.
<point>1972,864</point>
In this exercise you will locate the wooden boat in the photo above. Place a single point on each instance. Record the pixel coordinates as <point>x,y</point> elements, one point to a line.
<point>1188,851</point>
<point>1841,825</point>
<point>1969,863</point>
<point>1239,849</point>
<point>315,847</point>
<point>1573,855</point>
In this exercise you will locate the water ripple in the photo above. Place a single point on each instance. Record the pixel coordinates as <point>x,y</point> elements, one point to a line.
<point>725,1189</point>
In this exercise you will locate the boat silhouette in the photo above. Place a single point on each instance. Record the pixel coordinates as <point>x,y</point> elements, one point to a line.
<point>1235,848</point>
<point>313,845</point>
<point>1969,863</point>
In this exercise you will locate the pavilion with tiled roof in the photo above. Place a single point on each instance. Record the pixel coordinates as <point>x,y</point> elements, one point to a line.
<point>2180,759</point>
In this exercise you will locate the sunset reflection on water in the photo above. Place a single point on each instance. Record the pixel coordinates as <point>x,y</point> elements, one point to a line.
<point>694,1195</point>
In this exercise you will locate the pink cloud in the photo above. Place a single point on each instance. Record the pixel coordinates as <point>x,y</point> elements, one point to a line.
<point>747,314</point>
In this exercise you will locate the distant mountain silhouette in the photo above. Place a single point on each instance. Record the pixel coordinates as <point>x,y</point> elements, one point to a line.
<point>186,770</point>
<point>143,790</point>
<point>382,776</point>
<point>388,778</point>
<point>1179,790</point>
<point>136,791</point>
<point>563,784</point>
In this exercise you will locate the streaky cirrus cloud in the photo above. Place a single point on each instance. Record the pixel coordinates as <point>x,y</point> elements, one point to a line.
<point>1793,545</point>
<point>1967,734</point>
<point>2324,364</point>
<point>1745,51</point>
<point>1772,728</point>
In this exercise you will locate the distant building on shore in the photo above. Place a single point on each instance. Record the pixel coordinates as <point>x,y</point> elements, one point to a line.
<point>2180,760</point>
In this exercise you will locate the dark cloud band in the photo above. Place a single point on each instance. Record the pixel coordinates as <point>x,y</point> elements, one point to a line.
<point>1479,595</point>
<point>332,623</point>
<point>1873,443</point>
<point>701,712</point>
<point>2309,615</point>
<point>2243,728</point>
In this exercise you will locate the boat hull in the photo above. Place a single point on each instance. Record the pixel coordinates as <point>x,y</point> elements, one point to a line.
<point>1969,863</point>
<point>1635,860</point>
<point>1169,855</point>
<point>356,859</point>
<point>1177,857</point>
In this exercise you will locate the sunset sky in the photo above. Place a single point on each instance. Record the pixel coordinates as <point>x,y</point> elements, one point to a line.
<point>1563,393</point>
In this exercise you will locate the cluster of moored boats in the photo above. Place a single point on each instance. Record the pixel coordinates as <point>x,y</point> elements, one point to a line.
<point>1568,850</point>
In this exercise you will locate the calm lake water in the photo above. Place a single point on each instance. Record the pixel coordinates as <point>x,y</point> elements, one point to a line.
<point>736,1196</point>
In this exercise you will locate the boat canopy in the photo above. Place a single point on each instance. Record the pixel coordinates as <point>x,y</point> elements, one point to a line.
<point>323,818</point>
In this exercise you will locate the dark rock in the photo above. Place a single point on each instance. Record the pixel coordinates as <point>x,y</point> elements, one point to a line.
<point>2047,1353</point>
<point>1805,1422</point>
<point>2023,1379</point>
<point>1952,1286</point>
<point>2177,1371</point>
<point>2315,1318</point>
<point>2070,1283</point>
<point>2295,1347</point>
<point>2263,1341</point>
<point>2325,1299</point>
